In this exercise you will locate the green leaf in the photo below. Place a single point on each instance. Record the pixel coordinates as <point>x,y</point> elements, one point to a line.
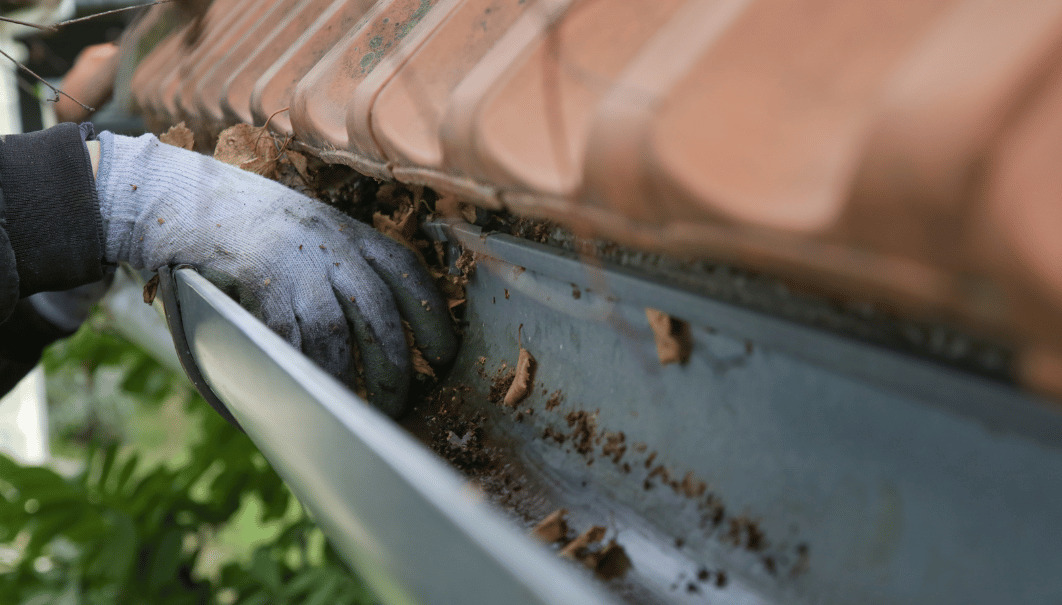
<point>110,453</point>
<point>165,559</point>
<point>126,472</point>
<point>114,559</point>
<point>45,529</point>
<point>266,569</point>
<point>325,592</point>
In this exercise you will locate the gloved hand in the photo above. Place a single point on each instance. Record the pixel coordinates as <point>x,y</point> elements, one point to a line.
<point>317,277</point>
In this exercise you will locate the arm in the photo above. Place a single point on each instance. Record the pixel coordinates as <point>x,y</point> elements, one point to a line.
<point>333,287</point>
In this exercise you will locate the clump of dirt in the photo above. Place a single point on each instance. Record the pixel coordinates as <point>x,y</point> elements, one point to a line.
<point>693,487</point>
<point>615,446</point>
<point>740,531</point>
<point>551,433</point>
<point>610,562</point>
<point>801,564</point>
<point>745,533</point>
<point>453,436</point>
<point>584,431</point>
<point>535,230</point>
<point>554,401</point>
<point>607,562</point>
<point>714,511</point>
<point>503,379</point>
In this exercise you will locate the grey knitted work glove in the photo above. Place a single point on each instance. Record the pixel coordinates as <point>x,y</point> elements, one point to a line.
<point>317,277</point>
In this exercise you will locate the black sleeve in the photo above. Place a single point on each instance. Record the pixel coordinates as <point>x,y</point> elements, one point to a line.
<point>22,339</point>
<point>51,236</point>
<point>50,211</point>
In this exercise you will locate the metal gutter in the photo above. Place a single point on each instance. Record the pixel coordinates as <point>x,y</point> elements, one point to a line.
<point>414,529</point>
<point>869,476</point>
<point>865,475</point>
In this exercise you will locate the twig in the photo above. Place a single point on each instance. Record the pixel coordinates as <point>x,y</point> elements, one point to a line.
<point>45,82</point>
<point>265,127</point>
<point>273,115</point>
<point>110,12</point>
<point>46,28</point>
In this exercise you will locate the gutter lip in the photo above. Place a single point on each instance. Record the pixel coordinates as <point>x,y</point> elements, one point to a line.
<point>470,550</point>
<point>995,405</point>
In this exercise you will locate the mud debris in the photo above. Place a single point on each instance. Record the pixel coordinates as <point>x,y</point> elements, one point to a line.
<point>609,563</point>
<point>673,340</point>
<point>801,564</point>
<point>577,548</point>
<point>554,401</point>
<point>453,436</point>
<point>532,229</point>
<point>503,379</point>
<point>585,430</point>
<point>450,283</point>
<point>693,487</point>
<point>614,446</point>
<point>745,533</point>
<point>466,264</point>
<point>715,512</point>
<point>550,433</point>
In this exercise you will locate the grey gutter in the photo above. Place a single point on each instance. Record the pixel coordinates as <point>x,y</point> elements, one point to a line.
<point>411,526</point>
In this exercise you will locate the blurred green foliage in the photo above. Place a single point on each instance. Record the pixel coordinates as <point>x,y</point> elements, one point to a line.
<point>207,521</point>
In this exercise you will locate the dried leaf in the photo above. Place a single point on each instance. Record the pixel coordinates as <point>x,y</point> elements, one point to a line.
<point>553,528</point>
<point>525,374</point>
<point>610,562</point>
<point>576,549</point>
<point>178,136</point>
<point>673,341</point>
<point>251,148</point>
<point>401,227</point>
<point>300,163</point>
<point>448,206</point>
<point>466,264</point>
<point>151,288</point>
<point>468,211</point>
<point>420,364</point>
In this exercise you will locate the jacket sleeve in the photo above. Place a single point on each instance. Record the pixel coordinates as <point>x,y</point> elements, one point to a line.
<point>51,236</point>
